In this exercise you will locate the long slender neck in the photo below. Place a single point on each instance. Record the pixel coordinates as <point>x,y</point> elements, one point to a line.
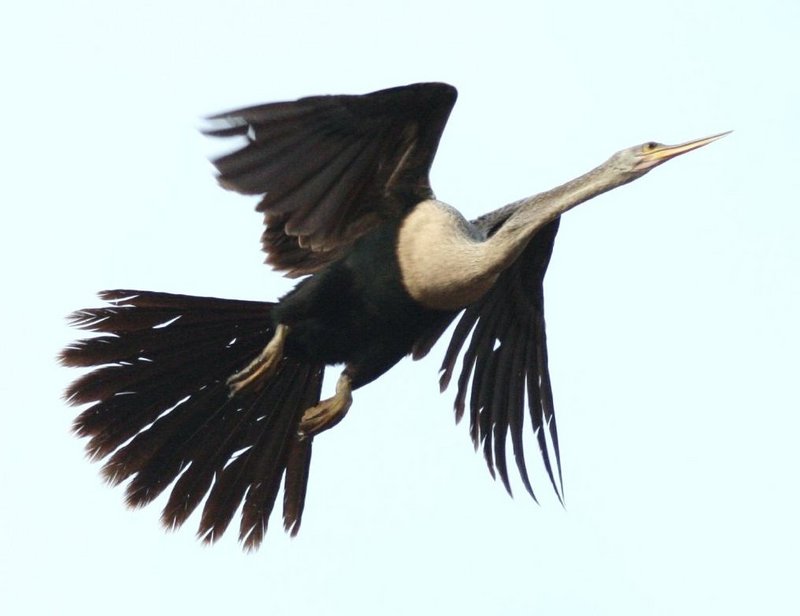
<point>445,263</point>
<point>532,213</point>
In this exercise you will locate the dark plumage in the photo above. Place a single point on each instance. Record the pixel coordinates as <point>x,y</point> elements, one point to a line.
<point>220,398</point>
<point>159,351</point>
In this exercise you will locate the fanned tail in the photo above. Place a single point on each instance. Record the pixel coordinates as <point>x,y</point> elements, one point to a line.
<point>161,413</point>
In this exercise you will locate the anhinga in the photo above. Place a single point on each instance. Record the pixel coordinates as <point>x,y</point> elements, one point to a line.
<point>222,397</point>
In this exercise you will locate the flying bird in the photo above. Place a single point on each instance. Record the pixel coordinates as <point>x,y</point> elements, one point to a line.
<point>219,399</point>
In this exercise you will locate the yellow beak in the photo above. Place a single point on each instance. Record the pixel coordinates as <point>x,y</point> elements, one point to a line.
<point>663,153</point>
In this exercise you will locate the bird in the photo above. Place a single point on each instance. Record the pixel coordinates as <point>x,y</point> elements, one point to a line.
<point>219,400</point>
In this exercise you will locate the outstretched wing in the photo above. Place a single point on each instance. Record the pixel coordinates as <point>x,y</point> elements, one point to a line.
<point>506,360</point>
<point>330,168</point>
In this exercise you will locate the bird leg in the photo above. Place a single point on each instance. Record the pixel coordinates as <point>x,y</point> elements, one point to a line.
<point>329,412</point>
<point>262,366</point>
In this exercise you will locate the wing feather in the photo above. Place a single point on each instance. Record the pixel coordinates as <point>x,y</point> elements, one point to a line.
<point>330,168</point>
<point>505,361</point>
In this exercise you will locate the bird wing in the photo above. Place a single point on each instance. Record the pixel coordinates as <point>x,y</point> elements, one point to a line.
<point>330,168</point>
<point>506,359</point>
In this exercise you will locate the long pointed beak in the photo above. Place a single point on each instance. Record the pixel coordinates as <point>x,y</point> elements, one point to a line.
<point>663,153</point>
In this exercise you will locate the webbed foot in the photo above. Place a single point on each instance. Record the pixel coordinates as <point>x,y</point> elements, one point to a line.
<point>327,413</point>
<point>262,366</point>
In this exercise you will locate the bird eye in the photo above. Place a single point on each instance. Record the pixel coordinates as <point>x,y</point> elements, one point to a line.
<point>650,146</point>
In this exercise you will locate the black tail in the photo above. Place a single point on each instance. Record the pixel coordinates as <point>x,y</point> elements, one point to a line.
<point>162,411</point>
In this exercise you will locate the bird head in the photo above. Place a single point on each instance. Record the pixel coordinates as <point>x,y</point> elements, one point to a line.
<point>640,159</point>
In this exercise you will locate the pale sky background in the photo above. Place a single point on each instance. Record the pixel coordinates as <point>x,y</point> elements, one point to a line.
<point>672,304</point>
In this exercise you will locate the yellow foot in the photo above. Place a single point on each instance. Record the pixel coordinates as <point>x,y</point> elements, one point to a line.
<point>262,366</point>
<point>328,412</point>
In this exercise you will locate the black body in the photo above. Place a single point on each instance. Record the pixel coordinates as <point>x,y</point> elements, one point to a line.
<point>356,311</point>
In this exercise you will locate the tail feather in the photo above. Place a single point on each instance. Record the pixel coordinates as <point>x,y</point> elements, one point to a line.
<point>162,414</point>
<point>295,484</point>
<point>261,497</point>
